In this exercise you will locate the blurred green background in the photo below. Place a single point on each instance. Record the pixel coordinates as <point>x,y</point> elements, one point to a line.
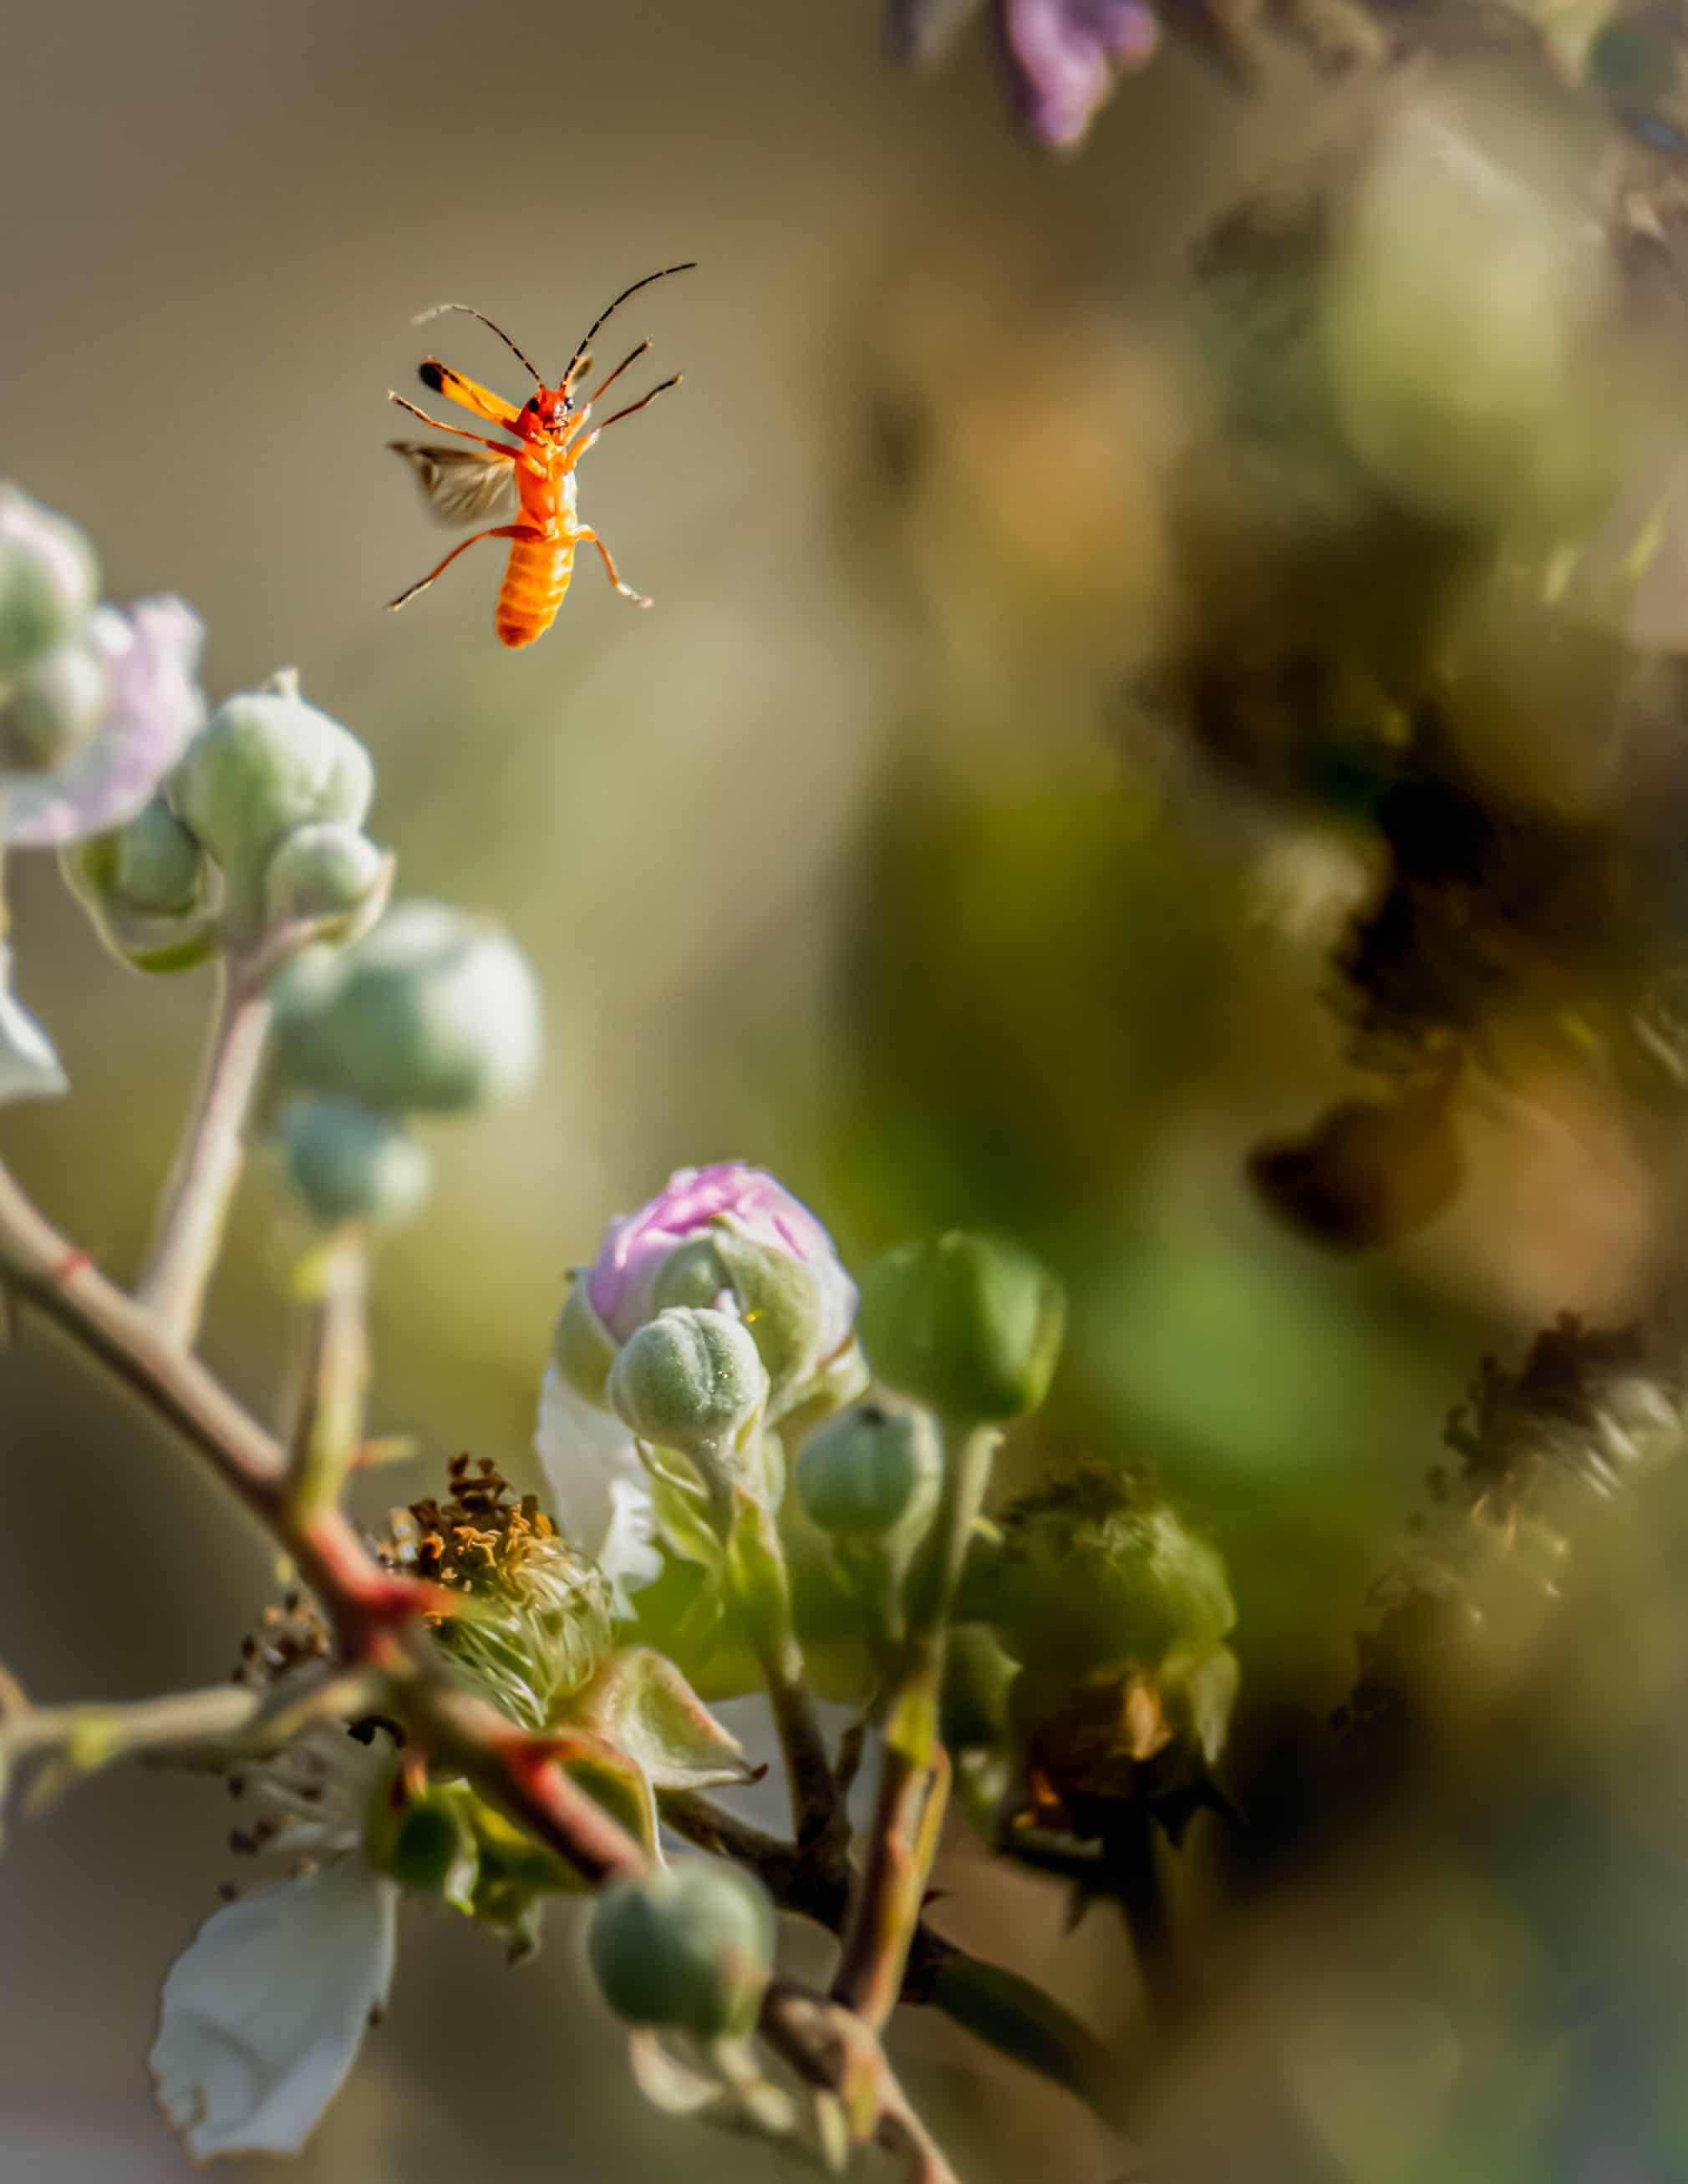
<point>845,860</point>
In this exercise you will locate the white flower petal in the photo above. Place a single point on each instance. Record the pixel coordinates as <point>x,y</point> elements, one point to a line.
<point>29,1067</point>
<point>263,2017</point>
<point>153,653</point>
<point>600,1493</point>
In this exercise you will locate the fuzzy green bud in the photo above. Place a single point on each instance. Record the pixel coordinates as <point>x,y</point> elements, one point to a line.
<point>155,865</point>
<point>1092,1570</point>
<point>324,870</point>
<point>692,1381</point>
<point>970,1324</point>
<point>871,1471</point>
<point>777,1296</point>
<point>263,764</point>
<point>348,1163</point>
<point>433,1010</point>
<point>143,885</point>
<point>689,1946</point>
<point>53,708</point>
<point>48,580</point>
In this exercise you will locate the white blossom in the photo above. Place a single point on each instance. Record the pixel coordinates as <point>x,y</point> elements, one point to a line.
<point>600,1490</point>
<point>262,2018</point>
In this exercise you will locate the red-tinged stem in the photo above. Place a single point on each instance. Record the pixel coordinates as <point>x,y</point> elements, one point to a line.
<point>377,1615</point>
<point>914,1771</point>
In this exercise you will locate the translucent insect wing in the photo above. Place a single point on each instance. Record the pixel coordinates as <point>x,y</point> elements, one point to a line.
<point>461,484</point>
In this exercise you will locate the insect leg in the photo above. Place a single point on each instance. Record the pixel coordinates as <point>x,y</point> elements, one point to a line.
<point>575,451</point>
<point>503,447</point>
<point>500,530</point>
<point>627,591</point>
<point>632,358</point>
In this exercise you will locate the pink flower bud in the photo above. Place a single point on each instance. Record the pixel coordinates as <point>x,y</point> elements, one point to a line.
<point>696,1201</point>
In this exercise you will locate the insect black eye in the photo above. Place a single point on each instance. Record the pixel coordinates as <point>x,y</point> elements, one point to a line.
<point>431,375</point>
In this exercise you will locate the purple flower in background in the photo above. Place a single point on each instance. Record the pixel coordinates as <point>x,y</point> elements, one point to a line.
<point>637,1247</point>
<point>1064,57</point>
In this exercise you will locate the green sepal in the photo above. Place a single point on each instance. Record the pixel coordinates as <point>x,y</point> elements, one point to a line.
<point>583,1347</point>
<point>643,1705</point>
<point>1199,1697</point>
<point>616,1781</point>
<point>756,1580</point>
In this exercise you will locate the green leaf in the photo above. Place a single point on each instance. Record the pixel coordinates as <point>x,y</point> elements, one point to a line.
<point>1019,2019</point>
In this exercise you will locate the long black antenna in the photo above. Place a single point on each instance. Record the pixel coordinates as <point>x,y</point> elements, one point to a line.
<point>422,317</point>
<point>690,266</point>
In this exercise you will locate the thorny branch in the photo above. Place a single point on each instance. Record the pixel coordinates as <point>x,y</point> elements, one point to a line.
<point>377,1616</point>
<point>75,1740</point>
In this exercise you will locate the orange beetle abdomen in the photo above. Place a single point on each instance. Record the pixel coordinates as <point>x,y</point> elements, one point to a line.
<point>535,582</point>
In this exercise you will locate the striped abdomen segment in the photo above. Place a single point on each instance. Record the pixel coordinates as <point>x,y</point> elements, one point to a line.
<point>534,583</point>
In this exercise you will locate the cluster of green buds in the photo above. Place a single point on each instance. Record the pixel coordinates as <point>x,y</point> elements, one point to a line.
<point>252,847</point>
<point>1098,1666</point>
<point>432,1011</point>
<point>716,1323</point>
<point>96,705</point>
<point>51,675</point>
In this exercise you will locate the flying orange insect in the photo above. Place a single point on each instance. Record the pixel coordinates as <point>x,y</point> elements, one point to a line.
<point>534,479</point>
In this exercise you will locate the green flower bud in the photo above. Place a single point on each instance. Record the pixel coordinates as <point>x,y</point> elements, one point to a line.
<point>433,1010</point>
<point>690,1381</point>
<point>970,1324</point>
<point>689,1946</point>
<point>324,870</point>
<point>263,764</point>
<point>776,1295</point>
<point>48,580</point>
<point>156,867</point>
<point>346,1163</point>
<point>871,1471</point>
<point>1092,1570</point>
<point>53,708</point>
<point>144,886</point>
